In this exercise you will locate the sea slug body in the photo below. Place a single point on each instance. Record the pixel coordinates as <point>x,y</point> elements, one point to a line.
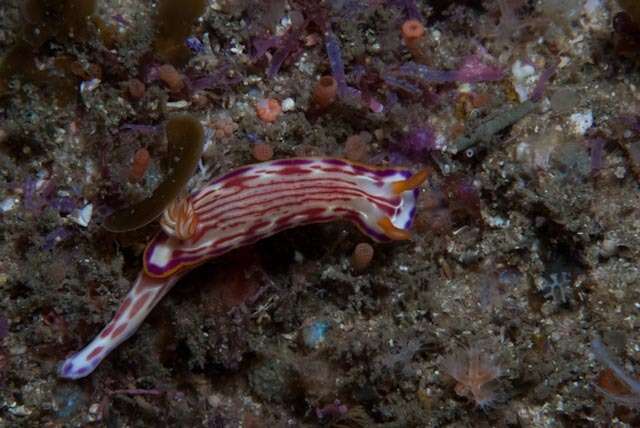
<point>249,204</point>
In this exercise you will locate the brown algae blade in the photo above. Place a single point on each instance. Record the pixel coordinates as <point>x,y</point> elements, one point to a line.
<point>186,138</point>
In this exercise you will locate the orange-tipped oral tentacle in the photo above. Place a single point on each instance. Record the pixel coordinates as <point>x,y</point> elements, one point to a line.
<point>410,183</point>
<point>393,232</point>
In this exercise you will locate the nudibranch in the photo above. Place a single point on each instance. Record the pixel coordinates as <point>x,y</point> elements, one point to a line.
<point>244,206</point>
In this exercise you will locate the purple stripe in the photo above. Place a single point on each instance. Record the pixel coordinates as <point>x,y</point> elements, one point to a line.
<point>231,174</point>
<point>290,162</point>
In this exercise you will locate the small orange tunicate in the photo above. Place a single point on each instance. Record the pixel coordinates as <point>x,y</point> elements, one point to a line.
<point>412,33</point>
<point>172,77</point>
<point>268,109</point>
<point>136,88</point>
<point>140,164</point>
<point>262,152</point>
<point>325,92</point>
<point>362,256</point>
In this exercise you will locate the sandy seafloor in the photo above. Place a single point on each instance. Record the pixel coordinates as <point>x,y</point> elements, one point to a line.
<point>525,247</point>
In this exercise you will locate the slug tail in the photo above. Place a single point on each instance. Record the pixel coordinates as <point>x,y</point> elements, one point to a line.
<point>143,296</point>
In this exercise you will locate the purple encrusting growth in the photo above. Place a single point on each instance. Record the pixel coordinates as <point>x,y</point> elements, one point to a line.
<point>246,205</point>
<point>418,142</point>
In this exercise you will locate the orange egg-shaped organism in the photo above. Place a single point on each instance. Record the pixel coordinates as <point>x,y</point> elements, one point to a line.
<point>362,256</point>
<point>325,92</point>
<point>268,109</point>
<point>262,152</point>
<point>136,88</point>
<point>139,165</point>
<point>171,77</point>
<point>412,34</point>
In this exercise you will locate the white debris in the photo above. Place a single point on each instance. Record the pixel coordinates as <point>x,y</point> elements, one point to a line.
<point>581,121</point>
<point>178,104</point>
<point>524,78</point>
<point>82,216</point>
<point>288,104</point>
<point>8,204</point>
<point>89,85</point>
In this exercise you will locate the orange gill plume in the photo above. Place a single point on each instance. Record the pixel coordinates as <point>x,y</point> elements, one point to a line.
<point>179,220</point>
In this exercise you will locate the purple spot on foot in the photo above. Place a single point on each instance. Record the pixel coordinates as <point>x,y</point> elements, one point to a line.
<point>67,368</point>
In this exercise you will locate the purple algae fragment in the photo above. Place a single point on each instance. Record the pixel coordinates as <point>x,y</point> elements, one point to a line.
<point>142,129</point>
<point>596,148</point>
<point>214,81</point>
<point>289,44</point>
<point>541,84</point>
<point>194,44</point>
<point>30,198</point>
<point>262,45</point>
<point>63,204</point>
<point>334,52</point>
<point>4,327</point>
<point>401,84</point>
<point>633,122</point>
<point>57,235</point>
<point>474,70</point>
<point>425,74</point>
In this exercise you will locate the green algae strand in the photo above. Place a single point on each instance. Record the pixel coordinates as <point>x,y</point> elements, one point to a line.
<point>186,138</point>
